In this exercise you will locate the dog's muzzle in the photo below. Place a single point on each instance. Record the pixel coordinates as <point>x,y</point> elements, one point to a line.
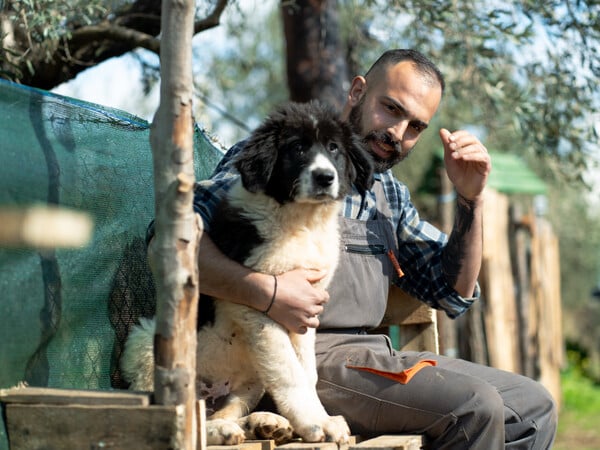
<point>323,184</point>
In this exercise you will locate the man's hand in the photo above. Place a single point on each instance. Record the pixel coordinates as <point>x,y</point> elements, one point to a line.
<point>298,303</point>
<point>467,161</point>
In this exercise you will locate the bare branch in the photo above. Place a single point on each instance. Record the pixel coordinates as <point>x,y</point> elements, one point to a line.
<point>213,19</point>
<point>127,37</point>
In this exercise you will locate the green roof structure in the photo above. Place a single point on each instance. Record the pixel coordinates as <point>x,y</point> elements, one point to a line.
<point>510,175</point>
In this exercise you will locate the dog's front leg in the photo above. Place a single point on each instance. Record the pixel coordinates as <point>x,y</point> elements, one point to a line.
<point>223,427</point>
<point>285,378</point>
<point>304,345</point>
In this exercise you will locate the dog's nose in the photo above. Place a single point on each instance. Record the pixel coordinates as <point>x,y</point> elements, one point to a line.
<point>323,177</point>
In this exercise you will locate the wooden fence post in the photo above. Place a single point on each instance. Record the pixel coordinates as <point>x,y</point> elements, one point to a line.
<point>173,251</point>
<point>499,304</point>
<point>545,309</point>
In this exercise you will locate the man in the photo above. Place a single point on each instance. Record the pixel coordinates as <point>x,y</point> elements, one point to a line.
<point>455,403</point>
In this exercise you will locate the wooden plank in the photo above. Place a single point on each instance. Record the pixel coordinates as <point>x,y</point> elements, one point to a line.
<point>546,326</point>
<point>53,396</point>
<point>264,445</point>
<point>498,286</point>
<point>419,337</point>
<point>418,322</point>
<point>43,226</point>
<point>390,442</point>
<point>300,445</point>
<point>74,427</point>
<point>248,445</point>
<point>201,437</point>
<point>403,309</point>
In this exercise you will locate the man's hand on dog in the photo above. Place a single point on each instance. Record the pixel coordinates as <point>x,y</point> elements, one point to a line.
<point>298,302</point>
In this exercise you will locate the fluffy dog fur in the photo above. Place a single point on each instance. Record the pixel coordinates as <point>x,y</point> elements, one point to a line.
<point>282,214</point>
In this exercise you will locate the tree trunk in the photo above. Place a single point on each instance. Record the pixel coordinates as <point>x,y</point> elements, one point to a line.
<point>173,253</point>
<point>316,68</point>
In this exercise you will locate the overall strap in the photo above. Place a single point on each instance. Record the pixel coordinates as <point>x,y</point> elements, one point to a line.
<point>383,208</point>
<point>381,202</point>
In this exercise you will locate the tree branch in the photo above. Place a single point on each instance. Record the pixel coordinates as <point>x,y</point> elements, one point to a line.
<point>213,19</point>
<point>127,37</point>
<point>47,64</point>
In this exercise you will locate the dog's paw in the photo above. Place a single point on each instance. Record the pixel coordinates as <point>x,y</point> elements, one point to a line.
<point>331,429</point>
<point>266,425</point>
<point>224,432</point>
<point>337,430</point>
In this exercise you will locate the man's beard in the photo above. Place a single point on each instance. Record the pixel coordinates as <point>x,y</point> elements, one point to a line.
<point>381,164</point>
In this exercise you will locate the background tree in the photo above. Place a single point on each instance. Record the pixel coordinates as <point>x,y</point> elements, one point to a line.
<point>316,67</point>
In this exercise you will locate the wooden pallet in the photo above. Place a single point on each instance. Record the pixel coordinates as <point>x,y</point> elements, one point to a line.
<point>56,419</point>
<point>65,419</point>
<point>384,442</point>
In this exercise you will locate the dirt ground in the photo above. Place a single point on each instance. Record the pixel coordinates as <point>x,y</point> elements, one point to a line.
<point>574,434</point>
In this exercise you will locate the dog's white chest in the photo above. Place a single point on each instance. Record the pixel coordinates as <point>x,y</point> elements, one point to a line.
<point>310,242</point>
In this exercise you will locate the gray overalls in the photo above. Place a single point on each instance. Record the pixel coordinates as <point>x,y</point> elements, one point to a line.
<point>456,404</point>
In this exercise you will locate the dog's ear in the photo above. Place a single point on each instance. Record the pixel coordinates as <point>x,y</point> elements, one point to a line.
<point>361,161</point>
<point>256,161</point>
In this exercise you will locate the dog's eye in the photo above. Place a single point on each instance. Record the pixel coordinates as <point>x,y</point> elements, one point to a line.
<point>333,147</point>
<point>297,146</point>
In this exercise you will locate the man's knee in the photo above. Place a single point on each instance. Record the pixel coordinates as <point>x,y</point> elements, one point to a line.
<point>532,417</point>
<point>478,422</point>
<point>545,417</point>
<point>487,406</point>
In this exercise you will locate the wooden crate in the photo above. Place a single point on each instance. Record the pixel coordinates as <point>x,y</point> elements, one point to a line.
<point>61,419</point>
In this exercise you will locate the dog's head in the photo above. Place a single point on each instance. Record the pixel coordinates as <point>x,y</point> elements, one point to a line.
<point>303,152</point>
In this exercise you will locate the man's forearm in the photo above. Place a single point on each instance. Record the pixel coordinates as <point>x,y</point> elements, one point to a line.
<point>223,277</point>
<point>294,302</point>
<point>461,258</point>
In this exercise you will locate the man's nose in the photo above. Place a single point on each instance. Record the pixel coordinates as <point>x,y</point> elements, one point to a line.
<point>397,130</point>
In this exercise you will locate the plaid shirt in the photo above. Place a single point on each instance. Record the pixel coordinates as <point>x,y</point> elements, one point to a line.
<point>419,243</point>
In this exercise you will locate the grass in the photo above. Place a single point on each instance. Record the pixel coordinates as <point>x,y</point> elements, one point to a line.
<point>579,419</point>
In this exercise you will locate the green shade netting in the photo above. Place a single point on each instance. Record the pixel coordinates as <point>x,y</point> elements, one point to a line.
<point>64,313</point>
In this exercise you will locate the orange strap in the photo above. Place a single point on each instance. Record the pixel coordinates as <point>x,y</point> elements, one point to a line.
<point>401,377</point>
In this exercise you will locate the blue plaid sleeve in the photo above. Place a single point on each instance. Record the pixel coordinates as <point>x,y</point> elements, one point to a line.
<point>208,193</point>
<point>420,246</point>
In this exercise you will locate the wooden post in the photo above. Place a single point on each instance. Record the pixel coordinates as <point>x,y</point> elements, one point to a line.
<point>499,304</point>
<point>546,312</point>
<point>520,234</point>
<point>173,251</point>
<point>446,206</point>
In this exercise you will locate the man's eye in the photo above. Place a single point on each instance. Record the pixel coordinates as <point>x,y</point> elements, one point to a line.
<point>418,127</point>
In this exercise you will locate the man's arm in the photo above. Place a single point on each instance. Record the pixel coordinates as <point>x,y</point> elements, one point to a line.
<point>297,302</point>
<point>468,165</point>
<point>461,258</point>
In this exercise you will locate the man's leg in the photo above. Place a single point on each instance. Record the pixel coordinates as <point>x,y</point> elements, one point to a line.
<point>530,413</point>
<point>456,404</point>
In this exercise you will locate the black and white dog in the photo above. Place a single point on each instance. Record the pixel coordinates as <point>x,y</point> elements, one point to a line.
<point>281,214</point>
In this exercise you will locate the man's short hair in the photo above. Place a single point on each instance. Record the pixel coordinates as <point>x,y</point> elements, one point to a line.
<point>420,61</point>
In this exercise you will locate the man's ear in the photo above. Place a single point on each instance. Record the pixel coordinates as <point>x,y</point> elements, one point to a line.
<point>357,90</point>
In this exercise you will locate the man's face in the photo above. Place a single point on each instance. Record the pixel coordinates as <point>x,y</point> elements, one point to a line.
<point>392,112</point>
